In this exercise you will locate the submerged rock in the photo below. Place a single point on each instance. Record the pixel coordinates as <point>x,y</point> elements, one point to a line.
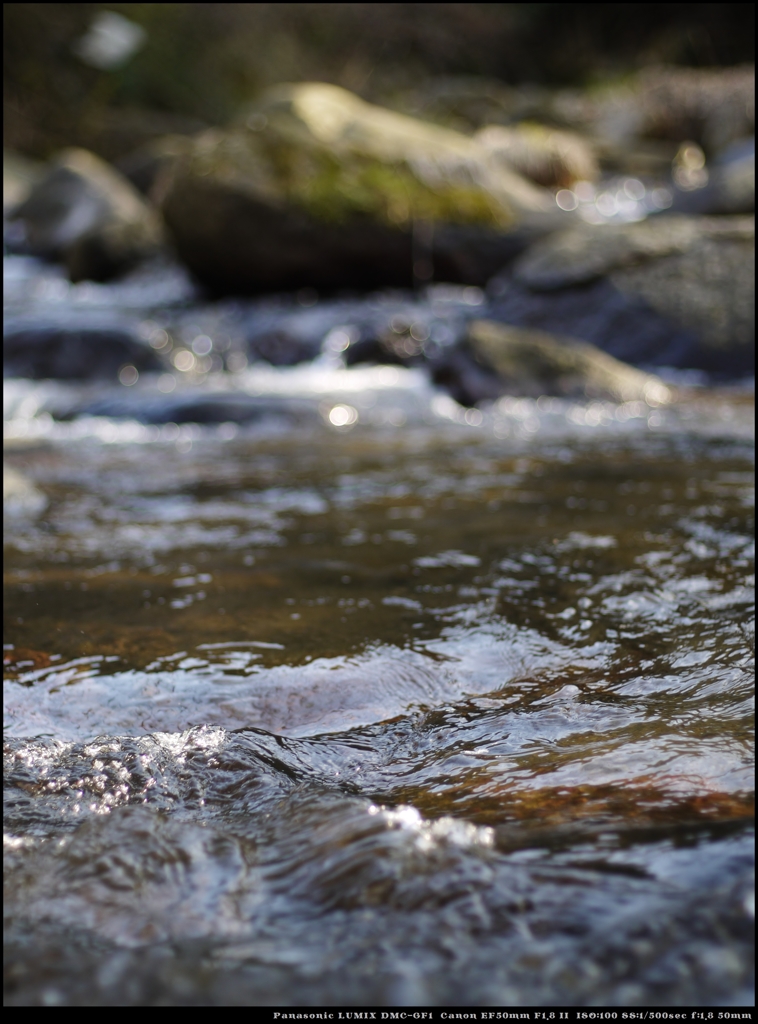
<point>672,290</point>
<point>85,352</point>
<point>318,188</point>
<point>89,216</point>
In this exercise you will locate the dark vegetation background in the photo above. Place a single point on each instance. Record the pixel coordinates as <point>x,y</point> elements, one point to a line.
<point>201,61</point>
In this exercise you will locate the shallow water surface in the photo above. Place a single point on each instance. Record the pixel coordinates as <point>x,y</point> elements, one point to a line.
<point>405,717</point>
<point>394,703</point>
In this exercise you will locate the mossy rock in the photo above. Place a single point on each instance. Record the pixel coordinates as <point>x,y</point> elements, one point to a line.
<point>535,363</point>
<point>316,187</point>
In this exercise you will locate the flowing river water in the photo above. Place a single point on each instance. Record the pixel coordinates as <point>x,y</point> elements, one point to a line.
<point>387,702</point>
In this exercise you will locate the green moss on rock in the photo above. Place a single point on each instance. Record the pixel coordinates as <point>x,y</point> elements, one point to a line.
<point>315,187</point>
<point>326,151</point>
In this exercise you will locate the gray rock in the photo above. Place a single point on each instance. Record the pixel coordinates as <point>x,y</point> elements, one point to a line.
<point>317,188</point>
<point>584,253</point>
<point>89,216</point>
<point>622,325</point>
<point>708,290</point>
<point>694,274</point>
<point>85,352</point>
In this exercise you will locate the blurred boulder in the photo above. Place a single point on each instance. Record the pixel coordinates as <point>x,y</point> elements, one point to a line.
<point>318,188</point>
<point>533,363</point>
<point>669,291</point>
<point>597,312</point>
<point>89,216</point>
<point>547,156</point>
<point>50,351</point>
<point>586,252</point>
